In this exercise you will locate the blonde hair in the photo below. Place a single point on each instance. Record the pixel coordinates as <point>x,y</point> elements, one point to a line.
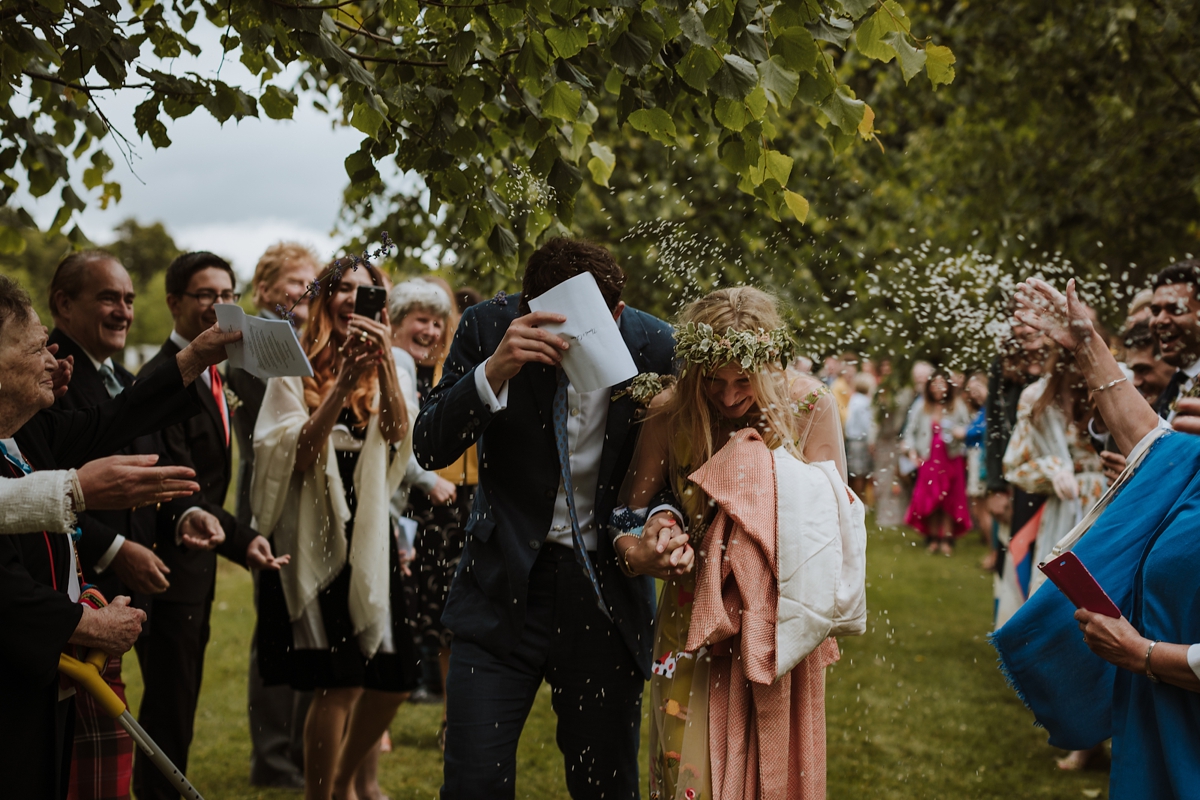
<point>276,258</point>
<point>689,413</point>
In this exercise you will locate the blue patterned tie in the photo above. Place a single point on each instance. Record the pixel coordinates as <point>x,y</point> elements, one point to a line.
<point>564,465</point>
<point>111,384</point>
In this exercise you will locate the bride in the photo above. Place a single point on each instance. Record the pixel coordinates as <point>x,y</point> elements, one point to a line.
<point>742,459</point>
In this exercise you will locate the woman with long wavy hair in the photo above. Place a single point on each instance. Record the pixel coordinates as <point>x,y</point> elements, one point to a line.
<point>732,447</point>
<point>329,452</point>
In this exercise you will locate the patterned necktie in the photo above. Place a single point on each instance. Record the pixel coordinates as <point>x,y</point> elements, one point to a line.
<point>564,464</point>
<point>218,392</point>
<point>111,383</point>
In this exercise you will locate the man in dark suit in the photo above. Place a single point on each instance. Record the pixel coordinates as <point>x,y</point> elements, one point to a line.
<point>524,605</point>
<point>172,654</point>
<point>276,713</point>
<point>91,301</point>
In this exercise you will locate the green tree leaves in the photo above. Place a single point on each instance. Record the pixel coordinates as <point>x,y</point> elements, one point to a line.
<point>468,96</point>
<point>655,122</point>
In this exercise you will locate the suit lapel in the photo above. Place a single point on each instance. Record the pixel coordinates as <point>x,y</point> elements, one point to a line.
<point>86,385</point>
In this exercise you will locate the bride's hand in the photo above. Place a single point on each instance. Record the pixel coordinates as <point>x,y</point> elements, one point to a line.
<point>663,550</point>
<point>1064,318</point>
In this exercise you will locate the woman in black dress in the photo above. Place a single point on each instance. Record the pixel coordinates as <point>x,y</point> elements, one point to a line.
<point>329,452</point>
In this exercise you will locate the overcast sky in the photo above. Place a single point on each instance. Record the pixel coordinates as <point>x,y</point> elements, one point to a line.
<point>234,189</point>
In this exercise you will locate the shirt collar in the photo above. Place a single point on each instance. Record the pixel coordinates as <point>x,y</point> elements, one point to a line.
<point>108,362</point>
<point>179,341</point>
<point>1193,370</point>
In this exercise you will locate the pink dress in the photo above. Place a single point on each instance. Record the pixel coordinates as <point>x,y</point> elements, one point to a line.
<point>941,486</point>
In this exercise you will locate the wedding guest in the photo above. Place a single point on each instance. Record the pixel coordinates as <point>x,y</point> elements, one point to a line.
<point>39,585</point>
<point>975,396</point>
<point>91,301</point>
<point>860,433</point>
<point>1018,364</point>
<point>1049,454</point>
<point>892,399</point>
<point>1151,373</point>
<point>523,605</point>
<point>1135,677</point>
<point>420,313</point>
<point>934,441</point>
<point>1176,326</point>
<point>171,654</point>
<point>330,450</point>
<point>281,278</point>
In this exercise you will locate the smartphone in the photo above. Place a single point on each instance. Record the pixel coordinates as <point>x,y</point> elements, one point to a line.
<point>370,301</point>
<point>1070,575</point>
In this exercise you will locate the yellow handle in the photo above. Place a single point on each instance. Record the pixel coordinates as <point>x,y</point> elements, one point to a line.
<point>98,659</point>
<point>87,675</point>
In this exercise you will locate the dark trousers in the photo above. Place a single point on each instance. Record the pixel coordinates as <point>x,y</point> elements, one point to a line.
<point>596,693</point>
<point>172,662</point>
<point>277,716</point>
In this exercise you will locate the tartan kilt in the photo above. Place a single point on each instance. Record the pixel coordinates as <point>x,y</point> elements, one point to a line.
<point>102,759</point>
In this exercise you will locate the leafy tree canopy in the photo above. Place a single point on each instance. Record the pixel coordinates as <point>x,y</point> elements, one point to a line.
<point>504,107</point>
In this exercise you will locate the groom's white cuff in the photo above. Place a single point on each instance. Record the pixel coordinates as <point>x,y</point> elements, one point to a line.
<point>496,402</point>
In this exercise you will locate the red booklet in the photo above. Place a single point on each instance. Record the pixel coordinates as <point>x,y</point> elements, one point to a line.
<point>1070,575</point>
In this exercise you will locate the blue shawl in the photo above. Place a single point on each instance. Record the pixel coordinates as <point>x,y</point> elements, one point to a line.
<point>1145,551</point>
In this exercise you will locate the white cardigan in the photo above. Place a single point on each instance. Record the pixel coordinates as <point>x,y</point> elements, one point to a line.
<point>305,514</point>
<point>41,501</point>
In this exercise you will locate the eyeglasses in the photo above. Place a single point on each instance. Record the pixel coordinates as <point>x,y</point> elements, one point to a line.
<point>207,297</point>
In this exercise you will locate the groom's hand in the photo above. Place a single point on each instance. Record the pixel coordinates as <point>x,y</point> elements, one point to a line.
<point>663,550</point>
<point>525,342</point>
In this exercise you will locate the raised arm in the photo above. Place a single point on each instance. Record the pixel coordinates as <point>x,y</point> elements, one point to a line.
<point>1064,319</point>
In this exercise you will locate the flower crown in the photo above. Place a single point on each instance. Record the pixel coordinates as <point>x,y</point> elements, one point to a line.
<point>698,344</point>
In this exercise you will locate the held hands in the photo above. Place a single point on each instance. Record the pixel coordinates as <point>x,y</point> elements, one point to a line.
<point>120,482</point>
<point>662,551</point>
<point>1064,318</point>
<point>1066,486</point>
<point>525,342</point>
<point>200,530</point>
<point>259,556</point>
<point>1114,640</point>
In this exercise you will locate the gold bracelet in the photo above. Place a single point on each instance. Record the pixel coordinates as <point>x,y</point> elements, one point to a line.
<point>623,560</point>
<point>1150,674</point>
<point>1108,385</point>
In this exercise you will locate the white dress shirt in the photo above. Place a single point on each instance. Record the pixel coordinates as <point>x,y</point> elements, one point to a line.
<point>587,416</point>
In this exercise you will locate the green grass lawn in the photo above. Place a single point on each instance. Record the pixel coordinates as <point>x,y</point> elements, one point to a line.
<point>916,708</point>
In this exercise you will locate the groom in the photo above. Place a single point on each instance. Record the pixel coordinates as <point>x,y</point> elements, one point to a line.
<point>523,606</point>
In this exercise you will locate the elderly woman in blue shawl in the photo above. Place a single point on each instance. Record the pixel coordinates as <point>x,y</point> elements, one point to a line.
<point>1137,678</point>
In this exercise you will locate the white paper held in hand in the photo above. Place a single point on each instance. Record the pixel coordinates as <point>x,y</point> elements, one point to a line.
<point>597,357</point>
<point>268,349</point>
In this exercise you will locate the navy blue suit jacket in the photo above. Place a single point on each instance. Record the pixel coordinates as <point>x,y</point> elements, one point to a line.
<point>519,476</point>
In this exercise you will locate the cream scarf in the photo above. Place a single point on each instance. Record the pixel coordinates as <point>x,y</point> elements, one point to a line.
<point>305,514</point>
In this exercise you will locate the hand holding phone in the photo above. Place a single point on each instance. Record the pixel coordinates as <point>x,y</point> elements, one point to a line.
<point>370,301</point>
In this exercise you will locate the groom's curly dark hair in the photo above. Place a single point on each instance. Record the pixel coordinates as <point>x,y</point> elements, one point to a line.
<point>562,258</point>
